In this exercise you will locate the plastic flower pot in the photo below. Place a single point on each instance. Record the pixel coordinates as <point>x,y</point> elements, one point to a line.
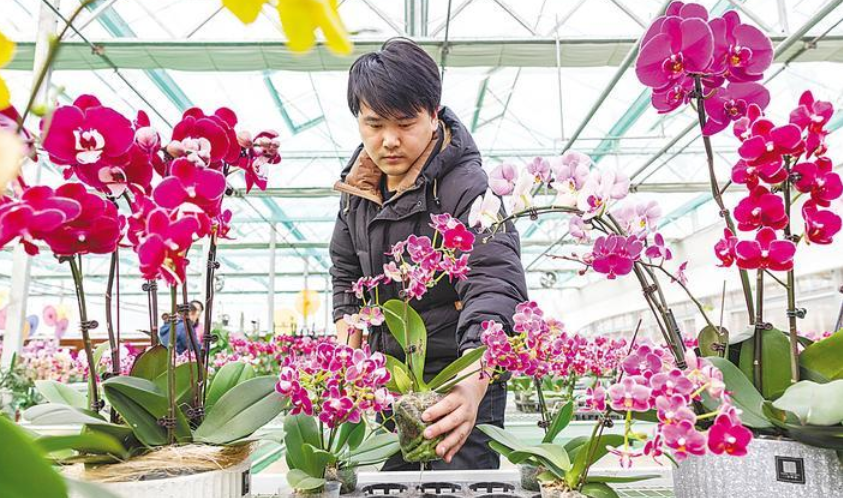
<point>347,477</point>
<point>331,489</point>
<point>408,419</point>
<point>558,490</point>
<point>529,476</point>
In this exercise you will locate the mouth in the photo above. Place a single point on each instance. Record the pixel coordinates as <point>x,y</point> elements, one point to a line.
<point>393,159</point>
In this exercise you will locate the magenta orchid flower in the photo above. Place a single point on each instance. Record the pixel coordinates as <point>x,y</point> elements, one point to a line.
<point>162,251</point>
<point>761,209</point>
<point>812,116</point>
<point>595,398</point>
<point>675,95</point>
<point>502,179</point>
<point>260,153</point>
<point>628,395</point>
<point>741,51</point>
<point>642,361</point>
<point>674,409</point>
<point>459,238</point>
<point>670,383</point>
<point>731,103</point>
<point>725,248</point>
<point>197,135</point>
<point>38,213</point>
<point>600,190</point>
<point>751,175</point>
<point>728,437</point>
<point>681,46</point>
<point>820,225</point>
<point>615,255</point>
<point>818,179</point>
<point>97,229</point>
<point>192,184</point>
<point>769,143</point>
<point>87,135</point>
<point>684,440</point>
<point>658,251</point>
<point>766,251</point>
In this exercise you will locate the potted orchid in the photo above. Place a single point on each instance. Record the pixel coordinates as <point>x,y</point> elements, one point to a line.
<point>331,390</point>
<point>419,263</point>
<point>784,384</point>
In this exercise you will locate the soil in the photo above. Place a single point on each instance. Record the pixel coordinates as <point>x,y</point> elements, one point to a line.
<point>408,419</point>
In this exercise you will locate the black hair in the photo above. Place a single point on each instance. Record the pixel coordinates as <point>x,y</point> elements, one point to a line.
<point>397,81</point>
<point>197,304</point>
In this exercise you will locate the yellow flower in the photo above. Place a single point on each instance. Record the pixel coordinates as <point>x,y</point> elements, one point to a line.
<point>7,51</point>
<point>300,19</point>
<point>12,151</point>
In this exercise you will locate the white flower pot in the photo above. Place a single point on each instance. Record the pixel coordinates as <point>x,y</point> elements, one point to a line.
<point>773,468</point>
<point>233,482</point>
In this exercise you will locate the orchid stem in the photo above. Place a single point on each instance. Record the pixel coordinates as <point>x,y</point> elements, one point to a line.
<point>85,325</point>
<point>791,285</point>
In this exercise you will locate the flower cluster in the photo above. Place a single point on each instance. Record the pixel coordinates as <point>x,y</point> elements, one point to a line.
<point>651,382</point>
<point>45,360</point>
<point>685,43</point>
<point>335,383</point>
<point>773,158</point>
<point>266,356</point>
<point>541,347</point>
<point>418,264</point>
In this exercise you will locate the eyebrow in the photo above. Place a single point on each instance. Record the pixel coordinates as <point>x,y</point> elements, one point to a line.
<point>372,119</point>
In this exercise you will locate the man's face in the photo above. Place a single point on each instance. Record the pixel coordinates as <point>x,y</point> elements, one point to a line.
<point>394,144</point>
<point>194,313</point>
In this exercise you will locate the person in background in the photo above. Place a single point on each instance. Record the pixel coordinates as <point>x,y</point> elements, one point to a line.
<point>182,342</point>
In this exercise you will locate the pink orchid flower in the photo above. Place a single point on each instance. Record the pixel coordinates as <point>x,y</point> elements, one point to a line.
<point>684,440</point>
<point>818,179</point>
<point>682,46</point>
<point>216,130</point>
<point>820,225</point>
<point>731,103</point>
<point>659,249</point>
<point>742,51</point>
<point>628,395</point>
<point>615,255</point>
<point>765,252</point>
<point>97,229</point>
<point>725,248</point>
<point>761,209</point>
<point>38,213</point>
<point>728,437</point>
<point>163,249</point>
<point>502,179</point>
<point>189,183</point>
<point>812,116</point>
<point>769,143</point>
<point>459,238</point>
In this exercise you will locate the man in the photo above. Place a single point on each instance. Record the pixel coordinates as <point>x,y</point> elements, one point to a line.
<point>418,159</point>
<point>182,342</point>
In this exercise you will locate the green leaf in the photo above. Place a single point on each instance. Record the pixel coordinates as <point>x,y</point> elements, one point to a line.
<point>456,367</point>
<point>315,460</point>
<point>551,456</point>
<point>184,386</point>
<point>588,455</point>
<point>124,435</point>
<point>560,421</point>
<point>227,377</point>
<point>814,404</point>
<point>299,430</point>
<point>373,450</point>
<point>710,337</point>
<point>301,481</point>
<point>825,357</point>
<point>821,437</point>
<point>56,392</point>
<point>97,443</point>
<point>598,490</point>
<point>142,404</point>
<point>350,434</point>
<point>101,349</point>
<point>400,381</point>
<point>775,358</point>
<point>502,437</point>
<point>620,479</point>
<point>743,394</point>
<point>397,314</point>
<point>241,411</point>
<point>56,414</point>
<point>24,473</point>
<point>151,363</point>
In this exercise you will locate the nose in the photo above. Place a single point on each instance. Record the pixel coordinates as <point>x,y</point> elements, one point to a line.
<point>391,140</point>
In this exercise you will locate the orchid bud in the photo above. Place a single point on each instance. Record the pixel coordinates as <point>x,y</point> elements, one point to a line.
<point>175,149</point>
<point>147,139</point>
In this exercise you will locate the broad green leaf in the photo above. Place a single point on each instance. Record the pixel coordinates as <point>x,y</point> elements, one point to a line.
<point>814,404</point>
<point>351,434</point>
<point>710,337</point>
<point>456,367</point>
<point>227,377</point>
<point>151,363</point>
<point>24,473</point>
<point>300,480</point>
<point>123,434</point>
<point>574,445</point>
<point>400,381</point>
<point>184,386</point>
<point>552,456</point>
<point>560,421</point>
<point>299,430</point>
<point>375,449</point>
<point>502,436</point>
<point>142,404</point>
<point>241,411</point>
<point>591,453</point>
<point>101,349</point>
<point>315,460</point>
<point>56,392</point>
<point>775,361</point>
<point>620,479</point>
<point>598,490</point>
<point>56,414</point>
<point>83,443</point>
<point>821,437</point>
<point>399,314</point>
<point>825,357</point>
<point>743,394</point>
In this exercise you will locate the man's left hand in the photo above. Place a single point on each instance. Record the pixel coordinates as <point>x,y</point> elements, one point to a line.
<point>456,415</point>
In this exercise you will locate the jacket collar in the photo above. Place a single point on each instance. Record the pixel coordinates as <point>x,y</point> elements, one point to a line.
<point>364,178</point>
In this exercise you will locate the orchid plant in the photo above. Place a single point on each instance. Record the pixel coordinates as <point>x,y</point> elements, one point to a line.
<point>418,264</point>
<point>331,390</point>
<point>778,164</point>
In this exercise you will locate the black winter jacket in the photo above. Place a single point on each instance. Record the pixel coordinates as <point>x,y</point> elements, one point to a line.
<point>447,178</point>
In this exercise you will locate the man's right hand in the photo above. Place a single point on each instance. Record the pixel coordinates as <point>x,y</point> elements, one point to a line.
<point>346,334</point>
